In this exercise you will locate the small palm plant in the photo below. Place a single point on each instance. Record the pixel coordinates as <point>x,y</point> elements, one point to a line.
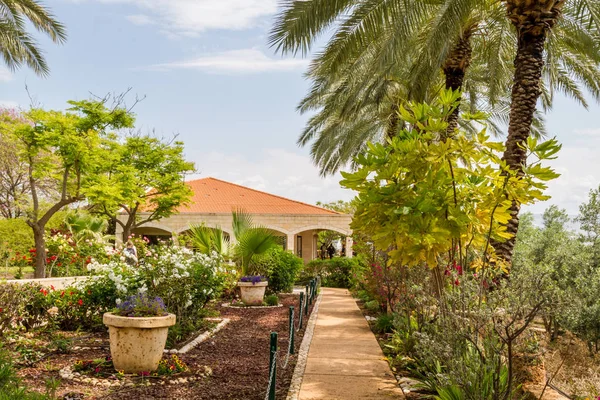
<point>250,240</point>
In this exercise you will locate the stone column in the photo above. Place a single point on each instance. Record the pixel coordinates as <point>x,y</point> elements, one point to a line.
<point>349,246</point>
<point>291,243</point>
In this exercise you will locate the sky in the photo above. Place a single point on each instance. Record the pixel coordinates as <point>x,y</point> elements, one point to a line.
<point>206,74</point>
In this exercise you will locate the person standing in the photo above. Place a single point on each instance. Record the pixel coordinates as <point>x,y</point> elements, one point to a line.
<point>130,253</point>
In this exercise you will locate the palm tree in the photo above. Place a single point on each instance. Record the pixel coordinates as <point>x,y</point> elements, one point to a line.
<point>16,45</point>
<point>250,240</point>
<point>450,35</point>
<point>538,24</point>
<point>83,226</point>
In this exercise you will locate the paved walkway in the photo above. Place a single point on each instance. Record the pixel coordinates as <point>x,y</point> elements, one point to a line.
<point>345,361</point>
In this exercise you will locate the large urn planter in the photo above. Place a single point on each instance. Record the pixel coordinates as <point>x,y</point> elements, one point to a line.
<point>252,293</point>
<point>137,343</point>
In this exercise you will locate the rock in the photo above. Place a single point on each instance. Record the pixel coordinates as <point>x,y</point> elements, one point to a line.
<point>409,384</point>
<point>369,318</point>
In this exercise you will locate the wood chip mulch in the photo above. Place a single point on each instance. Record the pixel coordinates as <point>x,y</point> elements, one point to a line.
<point>238,356</point>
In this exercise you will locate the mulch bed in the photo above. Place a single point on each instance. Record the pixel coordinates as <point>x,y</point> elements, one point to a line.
<point>238,356</point>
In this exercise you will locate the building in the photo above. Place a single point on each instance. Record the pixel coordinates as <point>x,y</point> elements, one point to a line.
<point>213,201</point>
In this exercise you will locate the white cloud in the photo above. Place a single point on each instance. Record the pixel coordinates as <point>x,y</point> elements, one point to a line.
<point>236,61</point>
<point>593,132</point>
<point>140,19</point>
<point>579,166</point>
<point>190,17</point>
<point>275,171</point>
<point>5,75</point>
<point>8,104</point>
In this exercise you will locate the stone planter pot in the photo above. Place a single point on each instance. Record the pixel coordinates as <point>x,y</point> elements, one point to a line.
<point>137,344</point>
<point>252,293</point>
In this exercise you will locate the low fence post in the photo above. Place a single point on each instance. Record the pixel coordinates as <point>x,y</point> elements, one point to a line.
<point>291,346</point>
<point>273,366</point>
<point>300,309</point>
<point>308,294</point>
<point>306,302</point>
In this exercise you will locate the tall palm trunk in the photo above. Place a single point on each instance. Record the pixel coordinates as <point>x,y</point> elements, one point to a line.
<point>455,67</point>
<point>533,19</point>
<point>393,122</point>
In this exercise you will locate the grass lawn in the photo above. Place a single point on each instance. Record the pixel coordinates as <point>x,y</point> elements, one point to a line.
<point>10,272</point>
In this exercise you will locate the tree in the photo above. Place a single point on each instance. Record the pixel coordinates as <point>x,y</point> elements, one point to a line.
<point>428,201</point>
<point>145,182</point>
<point>70,150</point>
<point>535,22</point>
<point>589,218</point>
<point>15,193</point>
<point>16,44</point>
<point>384,54</point>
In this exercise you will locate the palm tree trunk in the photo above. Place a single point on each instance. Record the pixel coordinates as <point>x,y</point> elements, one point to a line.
<point>533,21</point>
<point>454,68</point>
<point>391,129</point>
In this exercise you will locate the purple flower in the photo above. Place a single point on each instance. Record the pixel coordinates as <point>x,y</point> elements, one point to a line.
<point>253,278</point>
<point>142,305</point>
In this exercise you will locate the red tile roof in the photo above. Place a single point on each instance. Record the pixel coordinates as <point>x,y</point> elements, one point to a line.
<point>216,196</point>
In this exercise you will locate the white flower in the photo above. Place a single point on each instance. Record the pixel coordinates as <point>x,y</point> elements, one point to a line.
<point>118,301</point>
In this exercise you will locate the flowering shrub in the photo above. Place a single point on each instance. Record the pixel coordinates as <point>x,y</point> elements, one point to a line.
<point>22,306</point>
<point>281,268</point>
<point>142,305</point>
<point>184,280</point>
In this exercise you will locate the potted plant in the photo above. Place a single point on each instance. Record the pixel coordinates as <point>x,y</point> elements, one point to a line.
<point>251,241</point>
<point>138,331</point>
<point>252,289</point>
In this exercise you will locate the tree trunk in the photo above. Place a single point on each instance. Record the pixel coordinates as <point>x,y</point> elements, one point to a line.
<point>454,68</point>
<point>533,20</point>
<point>40,251</point>
<point>126,233</point>
<point>391,129</point>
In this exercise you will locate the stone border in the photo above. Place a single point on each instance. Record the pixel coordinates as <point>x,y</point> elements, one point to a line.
<point>298,376</point>
<point>228,305</point>
<point>202,337</point>
<point>67,373</point>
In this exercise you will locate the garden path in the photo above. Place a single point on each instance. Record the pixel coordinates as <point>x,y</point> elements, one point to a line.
<point>345,360</point>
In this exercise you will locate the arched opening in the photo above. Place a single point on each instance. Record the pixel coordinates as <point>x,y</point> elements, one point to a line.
<point>321,242</point>
<point>152,233</point>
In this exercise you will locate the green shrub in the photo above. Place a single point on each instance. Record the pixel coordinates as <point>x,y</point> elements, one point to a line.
<point>281,269</point>
<point>336,272</point>
<point>10,385</point>
<point>373,305</point>
<point>384,323</point>
<point>272,300</point>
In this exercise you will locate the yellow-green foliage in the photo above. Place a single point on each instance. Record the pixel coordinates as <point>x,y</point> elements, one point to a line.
<point>425,197</point>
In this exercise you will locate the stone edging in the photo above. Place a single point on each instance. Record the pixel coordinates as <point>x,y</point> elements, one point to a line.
<point>67,373</point>
<point>202,337</point>
<point>228,305</point>
<point>296,382</point>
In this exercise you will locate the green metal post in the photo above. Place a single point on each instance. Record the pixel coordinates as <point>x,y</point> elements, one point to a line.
<point>301,309</point>
<point>306,302</point>
<point>272,366</point>
<point>308,294</point>
<point>291,329</point>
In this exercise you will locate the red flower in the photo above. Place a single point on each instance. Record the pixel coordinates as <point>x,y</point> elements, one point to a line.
<point>52,287</point>
<point>32,250</point>
<point>54,257</point>
<point>456,282</point>
<point>80,302</point>
<point>1,309</point>
<point>62,294</point>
